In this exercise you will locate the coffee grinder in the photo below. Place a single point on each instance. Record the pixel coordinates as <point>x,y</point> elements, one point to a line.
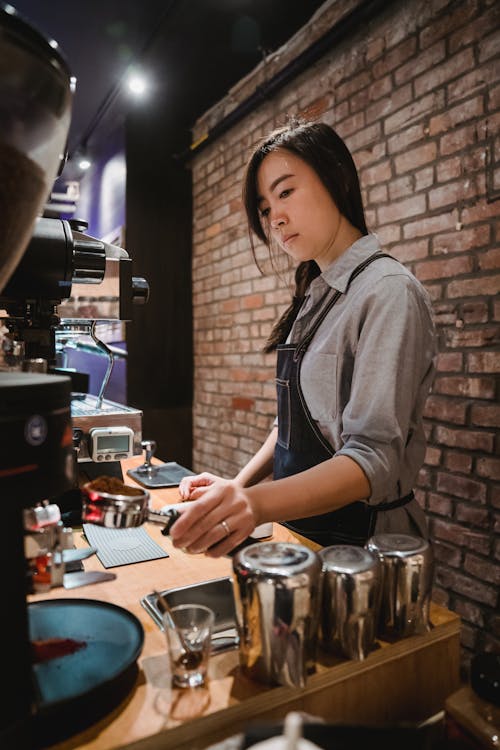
<point>36,452</point>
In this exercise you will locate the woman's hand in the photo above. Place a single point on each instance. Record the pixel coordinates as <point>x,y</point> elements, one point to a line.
<point>191,488</point>
<point>220,519</point>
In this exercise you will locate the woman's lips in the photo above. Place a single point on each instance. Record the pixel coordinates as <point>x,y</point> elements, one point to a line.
<point>288,237</point>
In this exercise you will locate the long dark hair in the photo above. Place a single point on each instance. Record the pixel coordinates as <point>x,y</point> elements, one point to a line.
<point>319,146</point>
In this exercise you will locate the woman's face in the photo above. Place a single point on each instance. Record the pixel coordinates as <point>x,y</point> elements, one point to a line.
<point>297,211</point>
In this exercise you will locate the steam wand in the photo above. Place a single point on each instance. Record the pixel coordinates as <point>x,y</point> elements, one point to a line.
<point>111,360</point>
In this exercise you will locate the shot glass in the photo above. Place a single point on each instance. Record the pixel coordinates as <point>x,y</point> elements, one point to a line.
<point>188,628</point>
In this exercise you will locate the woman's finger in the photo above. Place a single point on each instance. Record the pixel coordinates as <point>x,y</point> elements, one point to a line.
<point>188,484</point>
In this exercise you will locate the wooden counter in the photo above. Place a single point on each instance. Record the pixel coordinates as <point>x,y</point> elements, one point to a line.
<point>408,680</point>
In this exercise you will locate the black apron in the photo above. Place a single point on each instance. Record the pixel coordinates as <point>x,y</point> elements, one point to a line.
<point>301,445</point>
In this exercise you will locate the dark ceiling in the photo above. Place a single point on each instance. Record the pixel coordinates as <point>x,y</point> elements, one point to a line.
<point>203,46</point>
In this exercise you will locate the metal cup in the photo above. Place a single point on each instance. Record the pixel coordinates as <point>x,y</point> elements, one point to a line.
<point>350,600</point>
<point>277,592</point>
<point>407,576</point>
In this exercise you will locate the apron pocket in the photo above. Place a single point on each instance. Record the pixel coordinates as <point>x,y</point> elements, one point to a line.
<point>283,396</point>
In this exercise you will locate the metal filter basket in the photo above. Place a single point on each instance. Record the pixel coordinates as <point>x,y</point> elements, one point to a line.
<point>114,511</point>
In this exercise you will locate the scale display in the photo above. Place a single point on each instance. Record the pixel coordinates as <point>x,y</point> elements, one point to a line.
<point>111,443</point>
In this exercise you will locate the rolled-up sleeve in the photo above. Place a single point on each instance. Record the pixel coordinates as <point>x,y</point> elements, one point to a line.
<point>393,367</point>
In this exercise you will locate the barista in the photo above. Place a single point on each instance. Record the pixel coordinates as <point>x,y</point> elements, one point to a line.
<point>355,362</point>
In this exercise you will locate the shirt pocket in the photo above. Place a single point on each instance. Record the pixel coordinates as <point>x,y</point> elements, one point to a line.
<point>318,381</point>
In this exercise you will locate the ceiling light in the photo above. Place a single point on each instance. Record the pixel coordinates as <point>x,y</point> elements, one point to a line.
<point>84,163</point>
<point>136,84</point>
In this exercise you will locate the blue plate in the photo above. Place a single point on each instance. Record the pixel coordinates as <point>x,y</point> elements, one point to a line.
<point>105,666</point>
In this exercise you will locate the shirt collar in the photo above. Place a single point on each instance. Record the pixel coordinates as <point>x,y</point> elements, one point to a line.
<point>337,274</point>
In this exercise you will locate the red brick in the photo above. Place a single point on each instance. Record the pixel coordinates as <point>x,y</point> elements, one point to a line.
<point>430,225</point>
<point>439,269</point>
<point>474,337</point>
<point>490,47</point>
<point>452,67</point>
<point>424,178</point>
<point>378,195</point>
<point>482,569</point>
<point>376,174</point>
<point>446,409</point>
<point>443,506</point>
<point>488,468</point>
<point>455,19</point>
<point>389,234</point>
<point>418,109</point>
<point>425,60</point>
<point>478,286</point>
<point>461,487</point>
<point>474,312</point>
<point>401,141</point>
<point>473,516</point>
<point>414,158</point>
<point>448,531</point>
<point>471,32</point>
<point>445,553</point>
<point>468,387</point>
<point>401,209</point>
<point>473,441</point>
<point>353,85</point>
<point>449,362</point>
<point>449,169</point>
<point>445,315</point>
<point>252,301</point>
<point>484,362</point>
<point>245,404</point>
<point>457,139</point>
<point>489,260</point>
<point>470,612</point>
<point>480,211</point>
<point>485,415</point>
<point>409,251</point>
<point>459,462</point>
<point>455,192</point>
<point>374,48</point>
<point>466,586</point>
<point>401,187</point>
<point>432,456</point>
<point>395,57</point>
<point>384,107</point>
<point>449,119</point>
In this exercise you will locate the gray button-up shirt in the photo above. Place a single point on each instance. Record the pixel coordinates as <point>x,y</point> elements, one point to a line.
<point>367,373</point>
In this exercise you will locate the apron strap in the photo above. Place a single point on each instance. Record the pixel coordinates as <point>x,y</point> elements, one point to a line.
<point>399,503</point>
<point>303,345</point>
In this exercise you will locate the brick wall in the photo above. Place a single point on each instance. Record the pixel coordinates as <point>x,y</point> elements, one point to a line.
<point>416,95</point>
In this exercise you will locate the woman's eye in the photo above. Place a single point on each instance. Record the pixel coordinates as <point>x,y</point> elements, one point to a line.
<point>264,212</point>
<point>285,193</point>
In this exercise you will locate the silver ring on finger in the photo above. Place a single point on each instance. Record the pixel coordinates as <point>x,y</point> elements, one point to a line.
<point>226,528</point>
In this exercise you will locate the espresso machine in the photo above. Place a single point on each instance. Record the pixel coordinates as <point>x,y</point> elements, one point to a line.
<point>44,308</point>
<point>40,261</point>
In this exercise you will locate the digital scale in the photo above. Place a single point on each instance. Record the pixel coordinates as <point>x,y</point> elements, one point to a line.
<point>110,443</point>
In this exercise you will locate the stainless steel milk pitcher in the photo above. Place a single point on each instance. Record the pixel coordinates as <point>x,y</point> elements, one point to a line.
<point>277,594</point>
<point>350,600</point>
<point>407,577</point>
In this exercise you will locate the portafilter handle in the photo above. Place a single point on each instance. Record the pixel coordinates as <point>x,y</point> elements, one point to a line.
<point>147,467</point>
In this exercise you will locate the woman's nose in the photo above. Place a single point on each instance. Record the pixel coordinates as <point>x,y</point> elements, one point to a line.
<point>277,221</point>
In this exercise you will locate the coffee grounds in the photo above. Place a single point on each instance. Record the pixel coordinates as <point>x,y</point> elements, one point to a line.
<point>113,486</point>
